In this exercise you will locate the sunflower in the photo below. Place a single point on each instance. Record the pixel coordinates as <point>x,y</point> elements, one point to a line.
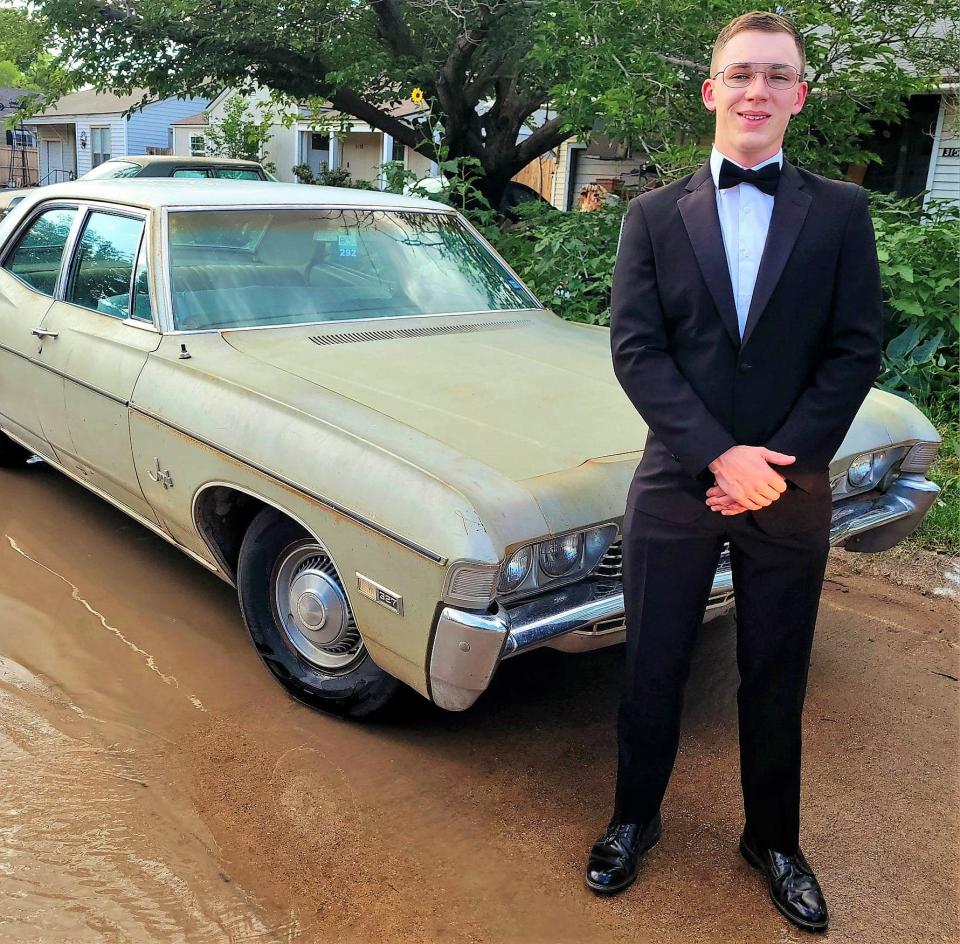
<point>416,96</point>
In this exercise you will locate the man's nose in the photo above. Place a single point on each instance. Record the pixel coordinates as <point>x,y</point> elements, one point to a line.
<point>757,87</point>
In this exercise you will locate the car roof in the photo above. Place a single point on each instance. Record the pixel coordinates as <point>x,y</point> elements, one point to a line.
<point>147,160</point>
<point>158,192</point>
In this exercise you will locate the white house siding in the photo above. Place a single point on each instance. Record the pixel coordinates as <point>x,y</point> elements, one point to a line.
<point>944,179</point>
<point>416,162</point>
<point>118,139</point>
<point>65,136</point>
<point>151,127</point>
<point>282,150</point>
<point>181,138</point>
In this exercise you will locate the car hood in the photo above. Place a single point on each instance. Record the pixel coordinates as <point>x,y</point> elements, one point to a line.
<point>525,393</point>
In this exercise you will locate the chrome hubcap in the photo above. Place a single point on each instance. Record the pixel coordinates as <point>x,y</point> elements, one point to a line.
<point>313,609</point>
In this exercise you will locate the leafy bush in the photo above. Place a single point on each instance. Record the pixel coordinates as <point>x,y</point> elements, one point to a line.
<point>327,177</point>
<point>566,258</point>
<point>918,251</point>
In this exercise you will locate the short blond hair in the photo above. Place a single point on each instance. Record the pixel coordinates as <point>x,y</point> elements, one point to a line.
<point>764,23</point>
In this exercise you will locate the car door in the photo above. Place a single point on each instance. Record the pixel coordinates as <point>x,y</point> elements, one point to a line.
<point>29,275</point>
<point>97,338</point>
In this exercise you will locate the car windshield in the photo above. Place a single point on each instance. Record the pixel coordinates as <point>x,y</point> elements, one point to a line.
<point>254,268</point>
<point>111,169</point>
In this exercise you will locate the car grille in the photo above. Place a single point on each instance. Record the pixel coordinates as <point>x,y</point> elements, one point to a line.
<point>611,567</point>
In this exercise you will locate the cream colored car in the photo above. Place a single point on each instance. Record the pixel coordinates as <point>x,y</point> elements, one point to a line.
<point>345,404</point>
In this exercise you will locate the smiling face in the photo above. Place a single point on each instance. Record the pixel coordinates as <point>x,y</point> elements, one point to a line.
<point>751,121</point>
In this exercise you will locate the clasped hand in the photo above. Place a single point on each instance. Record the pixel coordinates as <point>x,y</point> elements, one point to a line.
<point>745,479</point>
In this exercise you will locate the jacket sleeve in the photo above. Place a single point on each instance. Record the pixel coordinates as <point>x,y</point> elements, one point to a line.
<point>850,361</point>
<point>643,362</point>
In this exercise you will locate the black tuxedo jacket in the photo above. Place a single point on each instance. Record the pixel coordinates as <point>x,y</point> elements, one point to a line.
<point>809,354</point>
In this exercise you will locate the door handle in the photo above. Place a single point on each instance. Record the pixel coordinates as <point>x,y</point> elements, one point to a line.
<point>40,333</point>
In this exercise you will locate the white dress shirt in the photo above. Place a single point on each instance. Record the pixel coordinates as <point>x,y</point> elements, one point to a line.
<point>745,215</point>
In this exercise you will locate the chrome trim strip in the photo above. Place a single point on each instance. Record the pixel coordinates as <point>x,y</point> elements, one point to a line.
<point>334,324</point>
<point>314,496</point>
<point>127,511</point>
<point>65,376</point>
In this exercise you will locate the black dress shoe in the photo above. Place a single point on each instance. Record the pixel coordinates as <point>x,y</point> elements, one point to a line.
<point>615,856</point>
<point>794,888</point>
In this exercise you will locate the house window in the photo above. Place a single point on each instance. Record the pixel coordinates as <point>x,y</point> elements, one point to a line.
<point>319,142</point>
<point>19,138</point>
<point>398,152</point>
<point>99,146</point>
<point>198,145</point>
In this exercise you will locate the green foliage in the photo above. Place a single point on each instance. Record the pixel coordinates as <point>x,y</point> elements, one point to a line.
<point>940,529</point>
<point>566,258</point>
<point>327,177</point>
<point>396,176</point>
<point>26,64</point>
<point>240,134</point>
<point>631,69</point>
<point>919,253</point>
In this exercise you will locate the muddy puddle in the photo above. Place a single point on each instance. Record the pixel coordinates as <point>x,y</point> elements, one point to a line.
<point>157,786</point>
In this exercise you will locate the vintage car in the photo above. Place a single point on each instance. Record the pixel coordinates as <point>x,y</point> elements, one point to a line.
<point>147,165</point>
<point>348,406</point>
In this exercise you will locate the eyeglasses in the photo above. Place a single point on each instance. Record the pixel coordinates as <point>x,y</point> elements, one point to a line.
<point>777,75</point>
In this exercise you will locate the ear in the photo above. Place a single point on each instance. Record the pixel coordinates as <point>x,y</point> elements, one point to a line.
<point>802,89</point>
<point>706,94</point>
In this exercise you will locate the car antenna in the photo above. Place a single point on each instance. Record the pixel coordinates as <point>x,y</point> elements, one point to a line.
<point>185,355</point>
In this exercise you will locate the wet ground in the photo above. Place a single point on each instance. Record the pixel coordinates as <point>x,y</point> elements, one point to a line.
<point>157,786</point>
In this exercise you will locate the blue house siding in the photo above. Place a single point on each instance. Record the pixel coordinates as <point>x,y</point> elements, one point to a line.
<point>151,127</point>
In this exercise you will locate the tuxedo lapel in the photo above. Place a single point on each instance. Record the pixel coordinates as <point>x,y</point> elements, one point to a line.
<point>698,209</point>
<point>789,211</point>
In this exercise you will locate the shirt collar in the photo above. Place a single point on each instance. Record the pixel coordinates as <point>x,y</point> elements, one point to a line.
<point>717,158</point>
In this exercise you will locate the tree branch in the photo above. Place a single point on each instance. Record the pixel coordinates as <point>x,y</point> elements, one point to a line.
<point>392,29</point>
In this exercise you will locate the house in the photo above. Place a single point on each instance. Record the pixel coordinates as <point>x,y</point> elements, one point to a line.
<point>920,153</point>
<point>84,129</point>
<point>18,146</point>
<point>357,147</point>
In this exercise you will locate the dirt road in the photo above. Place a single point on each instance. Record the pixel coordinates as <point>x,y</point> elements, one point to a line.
<point>157,786</point>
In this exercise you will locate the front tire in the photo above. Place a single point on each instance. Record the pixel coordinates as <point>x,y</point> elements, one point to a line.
<point>299,617</point>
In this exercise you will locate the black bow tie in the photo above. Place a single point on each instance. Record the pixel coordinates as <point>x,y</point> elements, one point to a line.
<point>765,179</point>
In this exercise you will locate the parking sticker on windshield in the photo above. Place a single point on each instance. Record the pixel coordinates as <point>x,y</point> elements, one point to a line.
<point>347,244</point>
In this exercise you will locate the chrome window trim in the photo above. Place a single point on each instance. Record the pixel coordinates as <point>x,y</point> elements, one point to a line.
<point>168,326</point>
<point>345,321</point>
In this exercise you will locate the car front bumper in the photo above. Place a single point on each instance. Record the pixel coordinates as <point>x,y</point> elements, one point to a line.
<point>468,645</point>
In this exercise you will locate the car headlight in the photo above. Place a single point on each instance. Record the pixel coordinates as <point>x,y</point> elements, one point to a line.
<point>861,469</point>
<point>516,570</point>
<point>559,556</point>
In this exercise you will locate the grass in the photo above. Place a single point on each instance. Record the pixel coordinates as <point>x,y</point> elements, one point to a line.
<point>940,529</point>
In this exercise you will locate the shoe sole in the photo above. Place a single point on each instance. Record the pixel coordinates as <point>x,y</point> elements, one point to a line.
<point>613,889</point>
<point>754,860</point>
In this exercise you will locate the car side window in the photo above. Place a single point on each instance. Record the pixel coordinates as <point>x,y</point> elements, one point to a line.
<point>36,260</point>
<point>103,264</point>
<point>190,173</point>
<point>229,173</point>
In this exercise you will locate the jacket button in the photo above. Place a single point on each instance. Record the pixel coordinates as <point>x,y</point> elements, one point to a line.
<point>743,368</point>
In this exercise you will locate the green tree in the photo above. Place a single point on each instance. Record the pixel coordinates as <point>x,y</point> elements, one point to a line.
<point>490,68</point>
<point>26,63</point>
<point>239,134</point>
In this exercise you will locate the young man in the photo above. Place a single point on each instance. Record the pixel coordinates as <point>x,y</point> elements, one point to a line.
<point>746,330</point>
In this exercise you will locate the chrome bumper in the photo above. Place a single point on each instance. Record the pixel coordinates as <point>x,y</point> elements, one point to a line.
<point>468,645</point>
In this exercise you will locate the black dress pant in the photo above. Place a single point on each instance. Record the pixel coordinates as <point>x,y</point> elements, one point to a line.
<point>668,571</point>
